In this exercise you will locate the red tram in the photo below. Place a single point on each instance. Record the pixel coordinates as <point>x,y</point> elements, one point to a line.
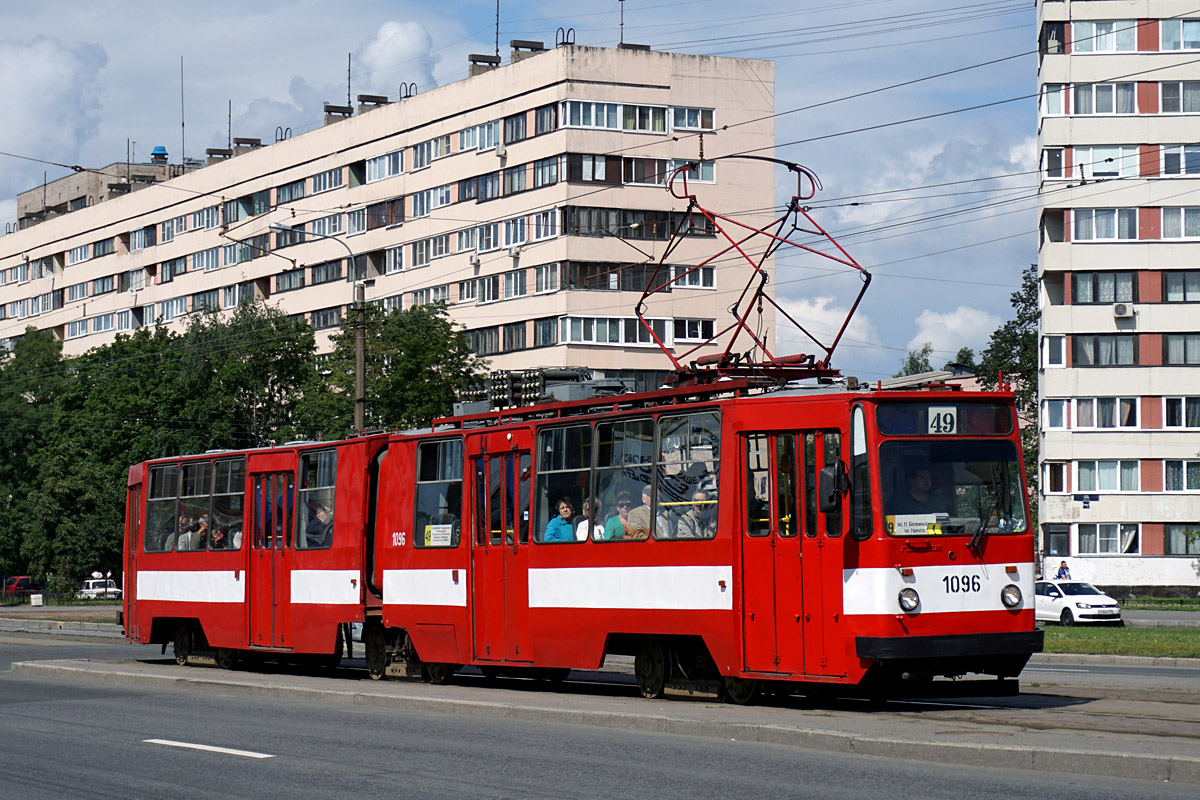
<point>728,535</point>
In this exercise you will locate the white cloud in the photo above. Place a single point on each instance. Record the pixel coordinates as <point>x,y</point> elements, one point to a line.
<point>949,331</point>
<point>399,51</point>
<point>821,317</point>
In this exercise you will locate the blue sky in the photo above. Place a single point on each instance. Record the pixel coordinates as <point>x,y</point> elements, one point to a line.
<point>77,80</point>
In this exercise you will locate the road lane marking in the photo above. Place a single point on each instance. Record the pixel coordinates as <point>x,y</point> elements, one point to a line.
<point>209,748</point>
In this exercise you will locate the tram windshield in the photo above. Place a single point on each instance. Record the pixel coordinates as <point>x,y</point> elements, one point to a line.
<point>951,487</point>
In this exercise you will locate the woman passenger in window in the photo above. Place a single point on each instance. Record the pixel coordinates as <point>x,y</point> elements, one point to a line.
<point>590,524</point>
<point>618,526</point>
<point>559,529</point>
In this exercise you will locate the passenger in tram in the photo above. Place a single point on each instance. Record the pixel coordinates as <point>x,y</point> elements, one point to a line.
<point>200,533</point>
<point>919,497</point>
<point>590,524</point>
<point>618,526</point>
<point>220,538</point>
<point>639,519</point>
<point>559,529</point>
<point>320,523</point>
<point>701,521</point>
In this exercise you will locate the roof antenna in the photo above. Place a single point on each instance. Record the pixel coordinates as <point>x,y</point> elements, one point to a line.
<point>497,28</point>
<point>348,78</point>
<point>182,121</point>
<point>622,2</point>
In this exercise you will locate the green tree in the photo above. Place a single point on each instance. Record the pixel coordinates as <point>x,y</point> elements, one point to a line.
<point>965,357</point>
<point>416,362</point>
<point>916,362</point>
<point>1012,351</point>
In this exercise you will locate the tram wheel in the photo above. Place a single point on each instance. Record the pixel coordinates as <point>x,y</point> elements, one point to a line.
<point>650,669</point>
<point>183,644</point>
<point>1067,618</point>
<point>376,655</point>
<point>741,691</point>
<point>438,673</point>
<point>227,657</point>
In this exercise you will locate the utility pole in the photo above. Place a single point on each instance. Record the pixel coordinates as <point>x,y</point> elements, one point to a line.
<point>360,355</point>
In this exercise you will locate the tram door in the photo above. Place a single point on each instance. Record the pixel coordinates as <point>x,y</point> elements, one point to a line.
<point>270,586</point>
<point>821,584</point>
<point>500,477</point>
<point>771,555</point>
<point>133,539</point>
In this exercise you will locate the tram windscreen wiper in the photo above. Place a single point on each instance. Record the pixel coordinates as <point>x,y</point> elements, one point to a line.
<point>1000,506</point>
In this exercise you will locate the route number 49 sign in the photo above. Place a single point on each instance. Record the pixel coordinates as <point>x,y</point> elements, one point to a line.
<point>943,420</point>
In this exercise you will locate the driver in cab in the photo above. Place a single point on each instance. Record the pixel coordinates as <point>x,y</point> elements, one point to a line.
<point>918,496</point>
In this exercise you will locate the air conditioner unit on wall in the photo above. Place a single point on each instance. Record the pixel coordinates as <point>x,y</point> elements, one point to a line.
<point>1123,310</point>
<point>474,260</point>
<point>500,151</point>
<point>514,251</point>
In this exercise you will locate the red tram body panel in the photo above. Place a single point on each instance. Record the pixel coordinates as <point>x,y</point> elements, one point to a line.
<point>810,535</point>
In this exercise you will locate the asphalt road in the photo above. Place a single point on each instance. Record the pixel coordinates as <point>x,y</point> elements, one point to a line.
<point>66,739</point>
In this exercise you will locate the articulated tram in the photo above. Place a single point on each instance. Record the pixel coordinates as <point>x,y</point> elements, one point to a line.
<point>733,535</point>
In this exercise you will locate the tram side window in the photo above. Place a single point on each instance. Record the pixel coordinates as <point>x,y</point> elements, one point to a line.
<point>624,468</point>
<point>686,474</point>
<point>787,515</point>
<point>564,469</point>
<point>228,505</point>
<point>161,502</point>
<point>318,480</point>
<point>758,490</point>
<point>833,454</point>
<point>439,494</point>
<point>810,484</point>
<point>860,476</point>
<point>195,500</point>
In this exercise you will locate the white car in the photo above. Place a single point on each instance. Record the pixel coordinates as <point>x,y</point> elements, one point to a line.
<point>1074,603</point>
<point>99,589</point>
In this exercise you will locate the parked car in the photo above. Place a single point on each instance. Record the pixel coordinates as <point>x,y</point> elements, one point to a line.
<point>1074,603</point>
<point>21,586</point>
<point>99,589</point>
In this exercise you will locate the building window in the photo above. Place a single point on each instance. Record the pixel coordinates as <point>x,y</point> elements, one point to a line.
<point>1179,34</point>
<point>385,214</point>
<point>514,284</point>
<point>692,119</point>
<point>132,281</point>
<point>1103,98</point>
<point>514,179</point>
<point>420,202</point>
<point>545,278</point>
<point>141,238</point>
<point>210,300</point>
<point>592,169</point>
<point>326,273</point>
<point>647,171</point>
<point>1180,159</point>
<point>545,332</point>
<point>697,172</point>
<point>1181,349</point>
<point>207,260</point>
<point>1053,162</point>
<point>125,321</point>
<point>1102,287</point>
<point>488,237</point>
<point>387,165</point>
<point>514,128</point>
<point>287,281</point>
<point>466,240</point>
<point>1181,476</point>
<point>1052,98</point>
<point>422,155</point>
<point>487,134</point>
<point>514,336</point>
<point>324,181</point>
<point>77,255</point>
<point>106,246</point>
<point>696,330</point>
<point>617,331</point>
<point>170,309</point>
<point>1182,540</point>
<point>1181,223</point>
<point>1054,413</point>
<point>484,341</point>
<point>546,118</point>
<point>466,291</point>
<point>77,329</point>
<point>393,260</point>
<point>1107,162</point>
<point>356,221</point>
<point>427,249</point>
<point>1106,412</point>
<point>584,114</point>
<point>207,218</point>
<point>440,196</point>
<point>467,138</point>
<point>1181,412</point>
<point>1181,286</point>
<point>1104,350</point>
<point>102,323</point>
<point>289,192</point>
<point>327,318</point>
<point>1119,36</point>
<point>1107,476</point>
<point>1180,97</point>
<point>514,232</point>
<point>1106,224</point>
<point>646,119</point>
<point>488,186</point>
<point>289,235</point>
<point>691,277</point>
<point>1055,477</point>
<point>545,172</point>
<point>78,291</point>
<point>489,289</point>
<point>108,283</point>
<point>545,224</point>
<point>326,226</point>
<point>1108,538</point>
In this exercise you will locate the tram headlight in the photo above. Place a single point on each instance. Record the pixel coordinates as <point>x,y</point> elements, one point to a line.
<point>909,599</point>
<point>1011,596</point>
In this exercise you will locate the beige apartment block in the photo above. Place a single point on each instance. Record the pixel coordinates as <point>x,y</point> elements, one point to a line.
<point>529,197</point>
<point>1119,260</point>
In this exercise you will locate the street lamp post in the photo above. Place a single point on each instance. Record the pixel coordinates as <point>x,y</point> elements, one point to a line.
<point>360,341</point>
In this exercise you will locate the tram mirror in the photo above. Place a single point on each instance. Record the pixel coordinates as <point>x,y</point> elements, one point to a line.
<point>829,490</point>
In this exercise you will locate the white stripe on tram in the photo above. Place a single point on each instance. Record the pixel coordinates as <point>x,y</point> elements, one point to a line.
<point>425,587</point>
<point>943,589</point>
<point>209,748</point>
<point>643,588</point>
<point>326,586</point>
<point>192,586</point>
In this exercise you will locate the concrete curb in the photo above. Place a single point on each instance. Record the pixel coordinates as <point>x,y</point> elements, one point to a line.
<point>1039,758</point>
<point>109,630</point>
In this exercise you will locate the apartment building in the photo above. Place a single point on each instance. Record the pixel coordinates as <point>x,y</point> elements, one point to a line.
<point>1119,259</point>
<point>529,197</point>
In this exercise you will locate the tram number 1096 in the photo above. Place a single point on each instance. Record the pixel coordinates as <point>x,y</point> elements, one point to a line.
<point>959,584</point>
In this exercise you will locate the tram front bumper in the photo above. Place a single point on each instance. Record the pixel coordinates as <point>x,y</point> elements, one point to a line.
<point>890,648</point>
